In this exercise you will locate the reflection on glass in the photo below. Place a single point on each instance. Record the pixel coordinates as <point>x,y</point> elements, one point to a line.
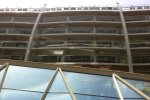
<point>58,97</point>
<point>87,97</point>
<point>127,92</point>
<point>141,85</point>
<point>91,84</point>
<point>19,95</point>
<point>27,78</point>
<point>58,85</point>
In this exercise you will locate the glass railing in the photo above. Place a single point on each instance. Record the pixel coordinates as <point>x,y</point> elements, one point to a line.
<point>138,30</point>
<point>108,18</point>
<point>137,18</point>
<point>53,19</point>
<point>49,44</point>
<point>24,19</point>
<point>19,31</point>
<point>13,44</point>
<point>5,19</point>
<point>110,59</point>
<point>108,31</point>
<point>79,58</point>
<point>13,57</point>
<point>46,58</point>
<point>140,44</point>
<point>141,59</point>
<point>109,44</point>
<point>80,30</point>
<point>79,44</point>
<point>51,31</point>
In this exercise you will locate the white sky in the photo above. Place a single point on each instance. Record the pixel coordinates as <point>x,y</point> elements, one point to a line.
<point>65,3</point>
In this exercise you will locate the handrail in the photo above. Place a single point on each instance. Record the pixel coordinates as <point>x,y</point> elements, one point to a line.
<point>82,8</point>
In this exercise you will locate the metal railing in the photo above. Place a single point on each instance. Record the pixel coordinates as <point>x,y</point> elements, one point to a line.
<point>82,8</point>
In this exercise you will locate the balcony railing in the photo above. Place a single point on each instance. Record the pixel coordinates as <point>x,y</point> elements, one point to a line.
<point>110,59</point>
<point>19,31</point>
<point>140,44</point>
<point>13,44</point>
<point>46,58</point>
<point>80,43</point>
<point>79,58</point>
<point>137,18</point>
<point>141,59</point>
<point>82,8</point>
<point>138,30</point>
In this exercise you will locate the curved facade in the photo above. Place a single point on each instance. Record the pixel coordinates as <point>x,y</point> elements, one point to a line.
<point>112,38</point>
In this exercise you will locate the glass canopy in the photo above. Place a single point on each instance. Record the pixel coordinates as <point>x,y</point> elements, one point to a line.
<point>27,83</point>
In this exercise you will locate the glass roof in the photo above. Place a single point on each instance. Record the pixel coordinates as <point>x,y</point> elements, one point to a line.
<point>26,83</point>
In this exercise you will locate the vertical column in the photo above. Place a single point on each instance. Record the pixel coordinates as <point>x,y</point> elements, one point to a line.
<point>28,50</point>
<point>126,38</point>
<point>8,29</point>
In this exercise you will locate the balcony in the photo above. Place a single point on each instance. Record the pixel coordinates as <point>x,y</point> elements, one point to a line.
<point>80,30</point>
<point>139,44</point>
<point>46,58</point>
<point>72,58</point>
<point>52,31</point>
<point>47,44</point>
<point>24,19</point>
<point>137,18</point>
<point>110,59</point>
<point>108,18</point>
<point>138,30</point>
<point>79,44</point>
<point>19,31</point>
<point>109,44</point>
<point>13,44</point>
<point>108,31</point>
<point>141,59</point>
<point>13,57</point>
<point>53,19</point>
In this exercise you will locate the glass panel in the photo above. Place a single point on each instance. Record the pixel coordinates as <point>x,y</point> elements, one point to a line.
<point>58,85</point>
<point>91,84</point>
<point>93,97</point>
<point>127,92</point>
<point>19,95</point>
<point>27,78</point>
<point>58,97</point>
<point>141,85</point>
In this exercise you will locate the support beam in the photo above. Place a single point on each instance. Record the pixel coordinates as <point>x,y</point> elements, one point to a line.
<point>34,29</point>
<point>126,38</point>
<point>49,85</point>
<point>6,65</point>
<point>117,87</point>
<point>67,85</point>
<point>58,70</point>
<point>132,87</point>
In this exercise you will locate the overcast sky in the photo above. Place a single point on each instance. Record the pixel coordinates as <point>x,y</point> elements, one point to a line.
<point>65,3</point>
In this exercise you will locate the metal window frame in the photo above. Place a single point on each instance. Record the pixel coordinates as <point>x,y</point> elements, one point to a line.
<point>5,65</point>
<point>115,76</point>
<point>58,70</point>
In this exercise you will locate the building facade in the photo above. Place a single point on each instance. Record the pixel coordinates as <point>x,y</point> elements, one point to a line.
<point>113,38</point>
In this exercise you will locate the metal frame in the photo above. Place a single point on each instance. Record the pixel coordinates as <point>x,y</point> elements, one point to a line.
<point>58,70</point>
<point>128,85</point>
<point>28,50</point>
<point>6,65</point>
<point>117,87</point>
